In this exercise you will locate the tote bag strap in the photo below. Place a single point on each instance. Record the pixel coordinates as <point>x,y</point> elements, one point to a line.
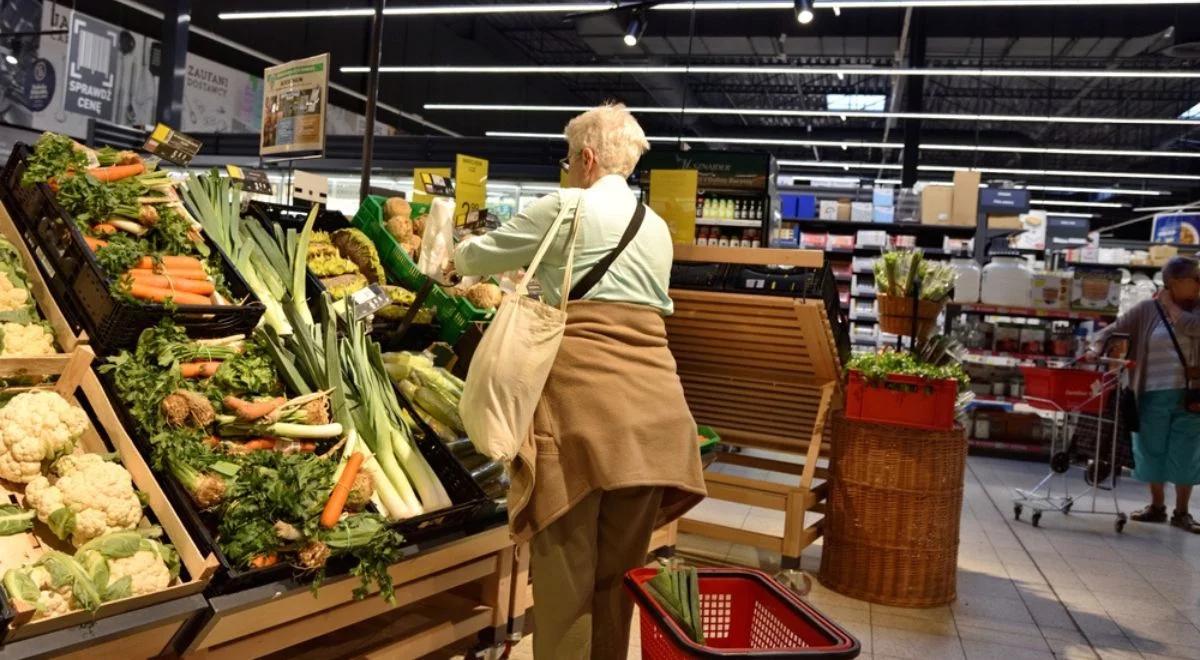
<point>570,200</point>
<point>1187,372</point>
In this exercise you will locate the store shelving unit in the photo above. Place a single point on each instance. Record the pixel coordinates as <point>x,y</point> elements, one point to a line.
<point>1028,312</point>
<point>763,372</point>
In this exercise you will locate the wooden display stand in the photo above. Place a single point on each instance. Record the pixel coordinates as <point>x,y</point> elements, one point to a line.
<point>63,334</point>
<point>763,372</point>
<point>442,596</point>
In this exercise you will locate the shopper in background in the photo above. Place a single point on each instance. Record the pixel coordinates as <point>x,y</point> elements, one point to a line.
<point>1166,448</point>
<point>612,453</point>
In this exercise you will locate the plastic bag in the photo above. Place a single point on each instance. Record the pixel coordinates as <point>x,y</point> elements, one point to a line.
<point>437,243</point>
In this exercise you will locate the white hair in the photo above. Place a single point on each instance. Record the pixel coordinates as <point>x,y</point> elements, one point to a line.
<point>612,132</point>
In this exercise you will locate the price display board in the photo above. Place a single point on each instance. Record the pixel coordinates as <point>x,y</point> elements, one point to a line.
<point>253,181</point>
<point>673,196</point>
<point>470,174</point>
<point>169,144</point>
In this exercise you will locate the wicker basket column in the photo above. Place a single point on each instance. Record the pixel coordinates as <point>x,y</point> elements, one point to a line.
<point>892,520</point>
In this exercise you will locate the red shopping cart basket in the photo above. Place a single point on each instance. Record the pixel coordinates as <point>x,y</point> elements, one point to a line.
<point>1073,390</point>
<point>745,614</point>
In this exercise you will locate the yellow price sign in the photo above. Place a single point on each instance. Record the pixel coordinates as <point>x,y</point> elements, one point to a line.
<point>673,196</point>
<point>470,180</point>
<point>419,195</point>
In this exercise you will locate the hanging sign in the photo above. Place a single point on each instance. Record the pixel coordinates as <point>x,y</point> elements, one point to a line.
<point>253,181</point>
<point>673,196</point>
<point>91,67</point>
<point>1010,201</point>
<point>421,177</point>
<point>1176,228</point>
<point>294,98</point>
<point>470,175</point>
<point>37,85</point>
<point>169,144</point>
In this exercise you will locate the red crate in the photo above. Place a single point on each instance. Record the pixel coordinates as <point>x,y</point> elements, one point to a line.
<point>902,400</point>
<point>1073,390</point>
<point>745,614</point>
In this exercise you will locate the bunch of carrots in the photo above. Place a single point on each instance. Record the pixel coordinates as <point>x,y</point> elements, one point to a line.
<point>180,279</point>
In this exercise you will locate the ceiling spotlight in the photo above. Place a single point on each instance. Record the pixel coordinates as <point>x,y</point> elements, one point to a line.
<point>837,11</point>
<point>845,147</point>
<point>635,29</point>
<point>11,59</point>
<point>841,76</point>
<point>804,12</point>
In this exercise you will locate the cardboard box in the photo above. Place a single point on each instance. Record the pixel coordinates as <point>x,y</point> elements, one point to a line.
<point>1161,254</point>
<point>1050,290</point>
<point>883,196</point>
<point>860,211</point>
<point>843,212</point>
<point>965,209</point>
<point>806,207</point>
<point>1004,222</point>
<point>1096,291</point>
<point>937,204</point>
<point>829,210</point>
<point>883,214</point>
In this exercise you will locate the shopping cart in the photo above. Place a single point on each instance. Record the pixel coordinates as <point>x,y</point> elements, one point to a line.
<point>1071,394</point>
<point>745,614</point>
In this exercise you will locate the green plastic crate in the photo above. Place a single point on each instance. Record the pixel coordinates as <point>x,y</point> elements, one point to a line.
<point>711,439</point>
<point>454,314</point>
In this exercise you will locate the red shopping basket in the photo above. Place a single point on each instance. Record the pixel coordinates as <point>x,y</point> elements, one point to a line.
<point>1073,390</point>
<point>745,614</point>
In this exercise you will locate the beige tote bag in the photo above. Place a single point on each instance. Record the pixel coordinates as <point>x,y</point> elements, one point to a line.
<point>513,360</point>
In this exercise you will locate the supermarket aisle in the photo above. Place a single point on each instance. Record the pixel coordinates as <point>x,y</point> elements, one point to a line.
<point>1072,588</point>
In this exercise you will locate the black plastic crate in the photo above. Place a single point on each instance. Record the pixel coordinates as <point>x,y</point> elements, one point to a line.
<point>701,276</point>
<point>74,277</point>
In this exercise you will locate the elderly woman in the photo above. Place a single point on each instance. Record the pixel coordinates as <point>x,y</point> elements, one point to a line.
<point>1166,448</point>
<point>612,452</point>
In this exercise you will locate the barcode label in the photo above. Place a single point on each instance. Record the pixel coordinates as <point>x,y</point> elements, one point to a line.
<point>95,52</point>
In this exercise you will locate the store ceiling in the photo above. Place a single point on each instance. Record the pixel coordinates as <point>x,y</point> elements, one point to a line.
<point>1126,37</point>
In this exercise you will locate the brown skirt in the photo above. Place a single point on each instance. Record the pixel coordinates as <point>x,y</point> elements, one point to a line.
<point>612,416</point>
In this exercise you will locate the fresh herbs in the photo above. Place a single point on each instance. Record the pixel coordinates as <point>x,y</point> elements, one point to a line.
<point>897,272</point>
<point>122,253</point>
<point>53,154</point>
<point>878,366</point>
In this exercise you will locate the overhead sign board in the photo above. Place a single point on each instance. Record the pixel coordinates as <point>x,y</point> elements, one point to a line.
<point>91,67</point>
<point>295,95</point>
<point>1009,201</point>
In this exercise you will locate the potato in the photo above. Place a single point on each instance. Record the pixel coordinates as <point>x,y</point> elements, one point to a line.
<point>484,295</point>
<point>413,246</point>
<point>400,227</point>
<point>396,206</point>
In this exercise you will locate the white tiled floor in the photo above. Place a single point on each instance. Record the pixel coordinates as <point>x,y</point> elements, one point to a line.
<point>1071,588</point>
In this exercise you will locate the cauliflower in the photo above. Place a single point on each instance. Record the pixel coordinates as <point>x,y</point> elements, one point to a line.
<point>91,497</point>
<point>12,297</point>
<point>35,586</point>
<point>26,340</point>
<point>36,426</point>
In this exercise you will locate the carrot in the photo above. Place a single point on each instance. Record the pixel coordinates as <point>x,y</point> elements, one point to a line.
<point>94,243</point>
<point>341,490</point>
<point>203,369</point>
<point>116,172</point>
<point>171,262</point>
<point>186,274</point>
<point>251,410</point>
<point>308,447</point>
<point>104,229</point>
<point>212,442</point>
<point>158,294</point>
<point>172,283</point>
<point>259,443</point>
<point>263,561</point>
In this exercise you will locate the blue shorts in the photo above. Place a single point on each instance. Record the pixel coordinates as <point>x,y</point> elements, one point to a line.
<point>1166,447</point>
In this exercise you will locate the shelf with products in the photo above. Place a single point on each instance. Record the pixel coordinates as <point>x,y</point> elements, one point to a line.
<point>980,352</point>
<point>726,222</point>
<point>1030,312</point>
<point>845,226</point>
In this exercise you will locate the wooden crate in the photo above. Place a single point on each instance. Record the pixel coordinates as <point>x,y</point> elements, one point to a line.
<point>78,383</point>
<point>63,333</point>
<point>287,615</point>
<point>764,373</point>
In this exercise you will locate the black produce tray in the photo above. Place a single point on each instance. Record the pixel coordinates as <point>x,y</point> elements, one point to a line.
<point>74,276</point>
<point>469,503</point>
<point>705,277</point>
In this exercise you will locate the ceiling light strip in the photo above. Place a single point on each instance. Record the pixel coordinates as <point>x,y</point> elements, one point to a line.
<point>1060,202</point>
<point>999,4</point>
<point>991,170</point>
<point>1066,214</point>
<point>784,70</point>
<point>854,114</point>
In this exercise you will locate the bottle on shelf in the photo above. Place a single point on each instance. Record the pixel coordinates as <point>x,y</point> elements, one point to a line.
<point>702,236</point>
<point>740,211</point>
<point>699,206</point>
<point>714,235</point>
<point>754,239</point>
<point>723,241</point>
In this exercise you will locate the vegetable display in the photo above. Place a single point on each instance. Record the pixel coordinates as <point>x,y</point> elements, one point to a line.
<point>897,271</point>
<point>89,497</point>
<point>22,331</point>
<point>132,219</point>
<point>878,366</point>
<point>35,428</point>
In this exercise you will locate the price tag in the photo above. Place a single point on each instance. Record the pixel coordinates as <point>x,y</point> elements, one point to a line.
<point>437,185</point>
<point>253,181</point>
<point>369,300</point>
<point>170,144</point>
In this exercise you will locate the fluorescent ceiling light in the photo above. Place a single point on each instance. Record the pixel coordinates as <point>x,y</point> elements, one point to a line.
<point>1098,191</point>
<point>10,58</point>
<point>715,5</point>
<point>844,165</point>
<point>1181,207</point>
<point>771,112</point>
<point>1080,173</point>
<point>1191,113</point>
<point>860,144</point>
<point>1002,4</point>
<point>1059,202</point>
<point>858,102</point>
<point>1066,214</point>
<point>968,72</point>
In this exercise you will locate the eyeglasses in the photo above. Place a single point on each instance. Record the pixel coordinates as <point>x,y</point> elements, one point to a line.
<point>565,163</point>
